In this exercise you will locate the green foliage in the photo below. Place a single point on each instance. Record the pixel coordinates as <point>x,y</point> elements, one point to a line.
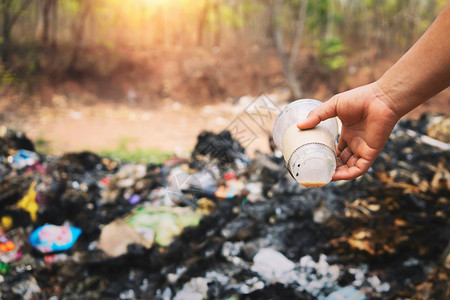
<point>391,6</point>
<point>233,15</point>
<point>317,15</point>
<point>31,62</point>
<point>70,7</point>
<point>114,25</point>
<point>26,62</point>
<point>42,145</point>
<point>6,76</point>
<point>251,7</point>
<point>146,156</point>
<point>230,17</point>
<point>331,53</point>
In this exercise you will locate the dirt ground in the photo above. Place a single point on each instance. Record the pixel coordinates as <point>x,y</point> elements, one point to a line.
<point>172,127</point>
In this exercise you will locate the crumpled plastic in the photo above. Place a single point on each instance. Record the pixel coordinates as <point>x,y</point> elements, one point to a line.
<point>28,202</point>
<point>117,235</point>
<point>10,248</point>
<point>23,158</point>
<point>167,222</point>
<point>346,293</point>
<point>271,264</point>
<point>232,187</point>
<point>6,244</point>
<point>51,238</point>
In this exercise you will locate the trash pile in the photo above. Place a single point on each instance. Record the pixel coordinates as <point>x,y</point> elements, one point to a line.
<point>223,225</point>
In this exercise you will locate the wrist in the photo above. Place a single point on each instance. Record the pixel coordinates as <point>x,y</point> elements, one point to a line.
<point>391,98</point>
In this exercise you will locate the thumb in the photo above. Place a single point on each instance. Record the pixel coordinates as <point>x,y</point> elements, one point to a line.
<point>321,113</point>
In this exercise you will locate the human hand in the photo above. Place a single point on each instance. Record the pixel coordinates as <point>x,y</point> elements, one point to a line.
<point>367,121</point>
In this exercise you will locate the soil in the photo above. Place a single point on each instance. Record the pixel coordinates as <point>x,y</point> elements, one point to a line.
<point>171,127</point>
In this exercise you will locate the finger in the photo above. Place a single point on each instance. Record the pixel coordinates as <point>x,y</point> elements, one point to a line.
<point>345,155</point>
<point>346,173</point>
<point>340,146</point>
<point>339,162</point>
<point>352,161</point>
<point>322,112</point>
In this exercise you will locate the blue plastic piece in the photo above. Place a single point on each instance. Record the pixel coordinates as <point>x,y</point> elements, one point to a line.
<point>53,238</point>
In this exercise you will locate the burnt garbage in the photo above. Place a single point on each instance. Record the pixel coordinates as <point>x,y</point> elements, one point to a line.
<point>224,225</point>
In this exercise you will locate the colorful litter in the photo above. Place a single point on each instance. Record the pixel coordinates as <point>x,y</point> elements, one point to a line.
<point>83,225</point>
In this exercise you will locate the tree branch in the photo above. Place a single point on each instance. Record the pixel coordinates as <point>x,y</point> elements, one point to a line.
<point>299,33</point>
<point>277,32</point>
<point>288,68</point>
<point>14,18</point>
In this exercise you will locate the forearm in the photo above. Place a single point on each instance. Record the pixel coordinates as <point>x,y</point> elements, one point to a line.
<point>423,71</point>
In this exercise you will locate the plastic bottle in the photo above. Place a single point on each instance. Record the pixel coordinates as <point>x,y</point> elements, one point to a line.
<point>310,155</point>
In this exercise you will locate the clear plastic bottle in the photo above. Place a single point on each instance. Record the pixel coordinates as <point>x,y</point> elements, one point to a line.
<point>310,154</point>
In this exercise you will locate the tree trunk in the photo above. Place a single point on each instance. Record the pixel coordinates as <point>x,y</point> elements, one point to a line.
<point>79,33</point>
<point>288,63</point>
<point>218,32</point>
<point>412,12</point>
<point>300,26</point>
<point>329,31</point>
<point>161,30</point>
<point>201,23</point>
<point>379,29</point>
<point>45,22</point>
<point>54,27</point>
<point>9,19</point>
<point>6,30</point>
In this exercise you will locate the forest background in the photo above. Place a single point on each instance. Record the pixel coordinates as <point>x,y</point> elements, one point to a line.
<point>144,77</point>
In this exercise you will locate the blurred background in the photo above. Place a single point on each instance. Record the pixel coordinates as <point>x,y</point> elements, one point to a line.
<point>139,79</point>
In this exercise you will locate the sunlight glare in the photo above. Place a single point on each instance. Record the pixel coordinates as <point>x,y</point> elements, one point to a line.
<point>157,2</point>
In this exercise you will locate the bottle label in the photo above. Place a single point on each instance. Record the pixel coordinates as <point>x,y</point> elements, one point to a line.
<point>295,138</point>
